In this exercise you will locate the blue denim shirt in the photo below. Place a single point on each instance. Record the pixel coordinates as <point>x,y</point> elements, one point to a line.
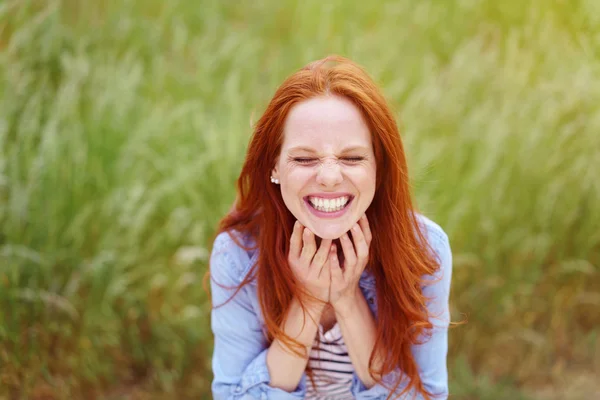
<point>240,342</point>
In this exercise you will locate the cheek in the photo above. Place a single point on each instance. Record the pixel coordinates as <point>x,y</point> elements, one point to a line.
<point>292,184</point>
<point>364,180</point>
<point>297,178</point>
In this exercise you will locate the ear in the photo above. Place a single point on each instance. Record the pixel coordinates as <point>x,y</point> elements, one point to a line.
<point>275,170</point>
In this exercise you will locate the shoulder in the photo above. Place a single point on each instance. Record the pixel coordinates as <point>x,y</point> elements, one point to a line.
<point>437,285</point>
<point>229,261</point>
<point>439,244</point>
<point>436,237</point>
<point>432,231</point>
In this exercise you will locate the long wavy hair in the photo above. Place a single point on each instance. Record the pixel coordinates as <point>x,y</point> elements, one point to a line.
<point>399,254</point>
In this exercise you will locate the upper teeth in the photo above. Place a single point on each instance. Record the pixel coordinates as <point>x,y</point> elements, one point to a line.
<point>329,204</point>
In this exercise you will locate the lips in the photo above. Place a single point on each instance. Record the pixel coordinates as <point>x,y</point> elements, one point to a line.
<point>327,214</point>
<point>329,204</point>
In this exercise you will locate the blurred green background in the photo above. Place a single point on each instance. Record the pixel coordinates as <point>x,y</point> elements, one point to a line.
<point>124,124</point>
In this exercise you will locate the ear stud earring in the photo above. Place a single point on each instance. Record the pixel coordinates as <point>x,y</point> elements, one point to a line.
<point>275,181</point>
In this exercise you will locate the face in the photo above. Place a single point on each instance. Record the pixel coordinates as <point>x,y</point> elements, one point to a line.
<point>326,167</point>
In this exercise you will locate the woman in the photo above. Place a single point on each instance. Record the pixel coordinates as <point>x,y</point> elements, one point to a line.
<point>326,283</point>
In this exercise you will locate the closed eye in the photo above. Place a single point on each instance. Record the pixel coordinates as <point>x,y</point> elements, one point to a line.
<point>354,159</point>
<point>304,160</point>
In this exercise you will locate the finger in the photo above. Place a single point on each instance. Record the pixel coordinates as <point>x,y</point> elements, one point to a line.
<point>296,240</point>
<point>366,229</point>
<point>360,244</point>
<point>334,266</point>
<point>321,256</point>
<point>320,259</point>
<point>325,271</point>
<point>349,254</point>
<point>309,246</point>
<point>348,248</point>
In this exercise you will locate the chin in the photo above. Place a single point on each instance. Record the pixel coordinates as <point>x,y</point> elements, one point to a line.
<point>328,235</point>
<point>328,232</point>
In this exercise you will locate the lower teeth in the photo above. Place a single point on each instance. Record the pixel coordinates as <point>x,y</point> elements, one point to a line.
<point>329,210</point>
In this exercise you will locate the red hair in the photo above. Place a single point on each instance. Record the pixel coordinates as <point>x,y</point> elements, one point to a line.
<point>399,253</point>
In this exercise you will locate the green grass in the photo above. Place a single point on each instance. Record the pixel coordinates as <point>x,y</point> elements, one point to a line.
<point>123,126</point>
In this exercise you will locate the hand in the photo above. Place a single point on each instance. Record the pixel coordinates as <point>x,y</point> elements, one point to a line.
<point>344,281</point>
<point>310,269</point>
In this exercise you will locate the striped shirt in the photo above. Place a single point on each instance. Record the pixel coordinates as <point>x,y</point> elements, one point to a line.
<point>331,365</point>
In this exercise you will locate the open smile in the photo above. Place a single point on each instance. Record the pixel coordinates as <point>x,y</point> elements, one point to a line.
<point>328,208</point>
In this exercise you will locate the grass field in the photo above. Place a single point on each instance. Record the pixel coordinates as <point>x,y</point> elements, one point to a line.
<point>123,126</point>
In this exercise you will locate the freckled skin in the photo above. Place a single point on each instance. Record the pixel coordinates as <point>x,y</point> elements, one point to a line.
<point>328,125</point>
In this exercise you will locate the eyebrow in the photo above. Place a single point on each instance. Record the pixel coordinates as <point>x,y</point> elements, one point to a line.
<point>344,150</point>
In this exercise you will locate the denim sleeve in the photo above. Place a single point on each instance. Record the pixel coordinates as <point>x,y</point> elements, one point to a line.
<point>431,355</point>
<point>240,348</point>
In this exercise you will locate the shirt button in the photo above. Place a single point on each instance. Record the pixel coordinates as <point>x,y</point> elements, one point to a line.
<point>371,301</point>
<point>263,396</point>
<point>238,389</point>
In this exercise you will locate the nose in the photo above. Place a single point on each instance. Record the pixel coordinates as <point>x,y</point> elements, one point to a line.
<point>329,174</point>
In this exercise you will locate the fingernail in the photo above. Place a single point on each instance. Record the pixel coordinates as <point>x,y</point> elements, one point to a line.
<point>333,248</point>
<point>355,227</point>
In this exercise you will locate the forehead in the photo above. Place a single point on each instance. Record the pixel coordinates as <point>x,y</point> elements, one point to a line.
<point>325,123</point>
